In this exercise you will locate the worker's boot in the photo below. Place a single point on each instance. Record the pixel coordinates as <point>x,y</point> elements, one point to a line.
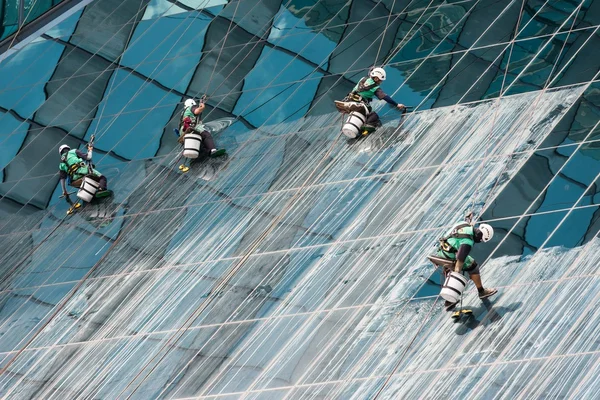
<point>485,293</point>
<point>368,129</point>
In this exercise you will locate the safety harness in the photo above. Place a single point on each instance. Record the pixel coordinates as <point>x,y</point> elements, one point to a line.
<point>71,169</point>
<point>445,246</point>
<point>195,119</point>
<point>355,96</point>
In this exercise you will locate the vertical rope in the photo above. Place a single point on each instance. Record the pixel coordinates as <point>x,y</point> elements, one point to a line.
<point>21,25</point>
<point>222,46</point>
<point>384,32</point>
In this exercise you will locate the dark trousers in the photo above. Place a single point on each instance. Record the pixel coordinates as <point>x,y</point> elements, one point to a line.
<point>101,180</point>
<point>208,143</point>
<point>372,118</point>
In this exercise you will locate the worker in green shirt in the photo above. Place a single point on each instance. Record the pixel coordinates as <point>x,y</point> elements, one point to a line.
<point>457,245</point>
<point>191,123</point>
<point>363,93</point>
<point>73,166</point>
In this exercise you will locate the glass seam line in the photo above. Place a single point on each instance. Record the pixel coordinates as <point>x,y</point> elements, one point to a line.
<point>228,63</point>
<point>138,90</point>
<point>276,137</point>
<point>277,47</point>
<point>265,33</point>
<point>547,239</point>
<point>211,15</point>
<point>377,377</point>
<point>259,377</point>
<point>569,269</point>
<point>168,59</point>
<point>417,106</point>
<point>4,368</point>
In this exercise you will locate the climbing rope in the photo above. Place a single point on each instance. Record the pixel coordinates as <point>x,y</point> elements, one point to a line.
<point>385,30</point>
<point>222,47</point>
<point>532,108</point>
<point>114,77</point>
<point>24,22</point>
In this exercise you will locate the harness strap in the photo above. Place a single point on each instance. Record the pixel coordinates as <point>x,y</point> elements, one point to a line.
<point>457,235</point>
<point>72,169</point>
<point>182,117</point>
<point>445,246</point>
<point>362,87</point>
<point>354,96</point>
<point>462,236</point>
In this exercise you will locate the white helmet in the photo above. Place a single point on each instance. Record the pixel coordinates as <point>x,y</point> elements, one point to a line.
<point>62,148</point>
<point>487,231</point>
<point>189,103</point>
<point>378,73</point>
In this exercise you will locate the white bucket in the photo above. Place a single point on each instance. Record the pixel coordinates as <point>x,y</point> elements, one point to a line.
<point>353,124</point>
<point>88,189</point>
<point>453,287</point>
<point>191,145</point>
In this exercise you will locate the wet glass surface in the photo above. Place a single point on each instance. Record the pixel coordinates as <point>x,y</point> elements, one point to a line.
<point>294,267</point>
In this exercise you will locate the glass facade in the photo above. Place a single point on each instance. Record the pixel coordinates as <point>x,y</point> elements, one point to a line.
<point>15,13</point>
<point>295,266</point>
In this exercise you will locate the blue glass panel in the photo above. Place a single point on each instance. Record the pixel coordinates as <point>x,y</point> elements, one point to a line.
<point>275,104</point>
<point>429,32</point>
<point>23,78</point>
<point>176,43</point>
<point>10,21</point>
<point>540,17</point>
<point>290,32</point>
<point>204,4</point>
<point>537,62</point>
<point>11,139</point>
<point>570,233</point>
<point>35,8</point>
<point>65,28</point>
<point>136,132</point>
<point>294,267</point>
<point>25,311</point>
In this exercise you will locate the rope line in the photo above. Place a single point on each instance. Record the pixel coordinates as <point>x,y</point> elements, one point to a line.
<point>221,50</point>
<point>385,30</point>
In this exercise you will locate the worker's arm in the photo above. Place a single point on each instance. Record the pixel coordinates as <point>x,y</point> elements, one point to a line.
<point>198,110</point>
<point>85,156</point>
<point>63,184</point>
<point>461,256</point>
<point>382,96</point>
